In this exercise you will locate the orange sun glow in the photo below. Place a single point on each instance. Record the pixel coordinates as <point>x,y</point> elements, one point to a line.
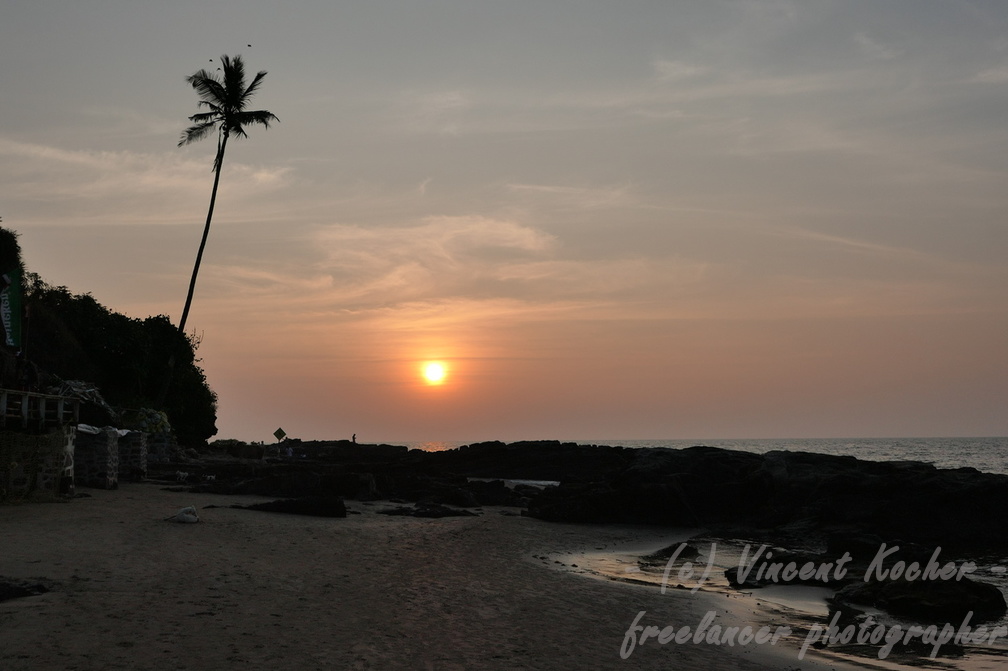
<point>434,372</point>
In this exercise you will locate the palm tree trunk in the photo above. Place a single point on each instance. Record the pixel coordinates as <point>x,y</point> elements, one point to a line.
<point>206,232</point>
<point>199,259</point>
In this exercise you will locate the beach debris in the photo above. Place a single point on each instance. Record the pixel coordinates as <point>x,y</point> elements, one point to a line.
<point>185,515</point>
<point>83,391</point>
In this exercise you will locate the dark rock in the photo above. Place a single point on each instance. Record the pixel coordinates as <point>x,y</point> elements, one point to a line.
<point>318,506</point>
<point>578,502</point>
<point>938,602</point>
<point>492,493</point>
<point>522,490</point>
<point>791,495</point>
<point>861,546</point>
<point>449,490</point>
<point>432,510</point>
<point>526,460</point>
<point>705,486</point>
<point>17,589</point>
<point>662,556</point>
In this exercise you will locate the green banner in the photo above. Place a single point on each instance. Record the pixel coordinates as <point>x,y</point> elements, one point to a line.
<point>10,306</point>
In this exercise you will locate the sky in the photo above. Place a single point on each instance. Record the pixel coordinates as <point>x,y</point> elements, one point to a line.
<point>607,220</point>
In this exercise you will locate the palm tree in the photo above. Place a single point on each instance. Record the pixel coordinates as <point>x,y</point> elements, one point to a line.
<point>225,98</point>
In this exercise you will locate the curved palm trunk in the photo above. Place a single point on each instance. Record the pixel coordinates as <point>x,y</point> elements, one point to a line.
<point>206,232</point>
<point>199,259</point>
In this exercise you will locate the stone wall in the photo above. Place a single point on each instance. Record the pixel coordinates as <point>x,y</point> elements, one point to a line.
<point>96,458</point>
<point>37,466</point>
<point>161,448</point>
<point>133,456</point>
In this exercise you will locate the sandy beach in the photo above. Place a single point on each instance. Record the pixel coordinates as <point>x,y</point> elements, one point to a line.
<point>252,590</point>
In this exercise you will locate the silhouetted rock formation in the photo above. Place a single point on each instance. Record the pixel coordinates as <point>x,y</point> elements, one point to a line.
<point>931,602</point>
<point>706,486</point>
<point>832,496</point>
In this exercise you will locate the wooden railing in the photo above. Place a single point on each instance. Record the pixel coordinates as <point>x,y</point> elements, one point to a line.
<point>36,412</point>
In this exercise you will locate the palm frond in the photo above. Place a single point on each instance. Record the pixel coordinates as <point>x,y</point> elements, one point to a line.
<point>238,121</point>
<point>197,132</point>
<point>206,117</point>
<point>208,87</point>
<point>202,73</point>
<point>234,80</point>
<point>236,129</point>
<point>260,117</point>
<point>254,86</point>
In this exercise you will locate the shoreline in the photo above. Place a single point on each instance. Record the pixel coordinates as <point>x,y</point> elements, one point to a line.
<point>799,607</point>
<point>245,589</point>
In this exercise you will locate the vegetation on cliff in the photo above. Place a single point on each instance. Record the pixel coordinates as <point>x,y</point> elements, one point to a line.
<point>69,336</point>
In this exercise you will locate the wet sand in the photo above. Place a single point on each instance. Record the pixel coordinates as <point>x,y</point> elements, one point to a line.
<point>252,590</point>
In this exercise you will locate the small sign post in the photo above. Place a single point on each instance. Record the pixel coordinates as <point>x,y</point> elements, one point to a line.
<point>280,434</point>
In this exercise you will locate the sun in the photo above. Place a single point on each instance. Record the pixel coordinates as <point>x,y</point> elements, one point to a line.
<point>434,372</point>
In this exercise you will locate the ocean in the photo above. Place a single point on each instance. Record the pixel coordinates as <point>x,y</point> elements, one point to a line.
<point>989,455</point>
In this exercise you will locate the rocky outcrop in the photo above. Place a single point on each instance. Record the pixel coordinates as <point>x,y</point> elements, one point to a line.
<point>926,601</point>
<point>705,486</point>
<point>526,460</point>
<point>468,476</point>
<point>695,487</point>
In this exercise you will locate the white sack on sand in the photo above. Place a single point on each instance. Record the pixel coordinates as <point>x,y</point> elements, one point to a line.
<point>187,515</point>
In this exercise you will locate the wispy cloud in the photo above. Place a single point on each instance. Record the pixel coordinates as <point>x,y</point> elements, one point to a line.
<point>676,70</point>
<point>996,75</point>
<point>444,112</point>
<point>446,255</point>
<point>122,186</point>
<point>578,197</point>
<point>134,122</point>
<point>873,49</point>
<point>884,252</point>
<point>365,272</point>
